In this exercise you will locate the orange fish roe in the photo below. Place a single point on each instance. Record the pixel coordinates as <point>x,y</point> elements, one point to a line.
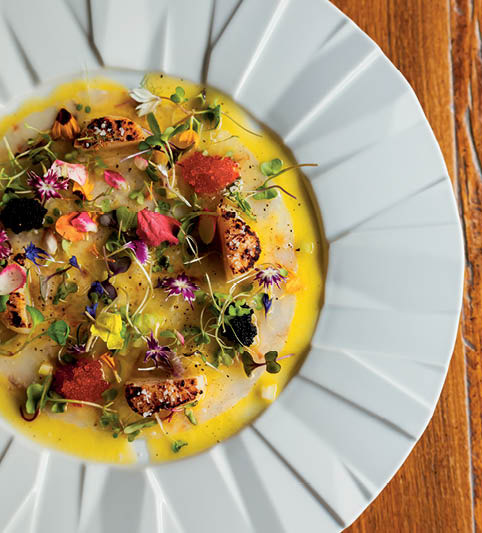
<point>83,380</point>
<point>208,174</point>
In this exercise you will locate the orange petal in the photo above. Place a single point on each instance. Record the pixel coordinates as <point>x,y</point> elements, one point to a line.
<point>64,228</point>
<point>185,139</point>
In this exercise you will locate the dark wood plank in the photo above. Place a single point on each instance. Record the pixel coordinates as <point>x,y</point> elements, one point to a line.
<point>432,492</point>
<point>466,20</point>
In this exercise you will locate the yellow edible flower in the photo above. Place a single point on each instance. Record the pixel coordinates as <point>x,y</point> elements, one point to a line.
<point>87,189</point>
<point>65,126</point>
<point>185,139</point>
<point>108,327</point>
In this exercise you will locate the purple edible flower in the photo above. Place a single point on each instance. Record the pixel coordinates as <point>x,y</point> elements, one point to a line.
<point>269,276</point>
<point>181,285</point>
<point>96,288</point>
<point>48,185</point>
<point>5,249</point>
<point>140,250</point>
<point>76,349</point>
<point>266,301</point>
<point>160,355</point>
<point>33,253</point>
<point>92,309</point>
<point>73,262</point>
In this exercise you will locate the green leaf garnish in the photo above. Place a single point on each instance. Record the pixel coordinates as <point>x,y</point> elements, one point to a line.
<point>126,218</point>
<point>153,124</point>
<point>189,413</point>
<point>177,445</point>
<point>3,302</point>
<point>137,426</point>
<point>249,364</point>
<point>138,196</point>
<point>36,315</point>
<point>59,332</point>
<point>266,194</point>
<point>109,395</point>
<point>63,290</point>
<point>178,96</point>
<point>57,407</point>
<point>34,393</point>
<point>37,396</point>
<point>272,366</point>
<point>271,168</point>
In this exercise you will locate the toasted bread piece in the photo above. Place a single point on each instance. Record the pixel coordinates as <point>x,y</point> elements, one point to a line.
<point>109,132</point>
<point>240,244</point>
<point>149,396</point>
<point>16,316</point>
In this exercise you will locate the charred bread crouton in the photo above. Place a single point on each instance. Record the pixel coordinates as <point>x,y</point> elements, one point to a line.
<point>149,396</point>
<point>16,317</point>
<point>109,132</point>
<point>240,244</point>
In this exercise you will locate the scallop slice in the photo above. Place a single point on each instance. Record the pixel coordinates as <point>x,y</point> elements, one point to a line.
<point>109,132</point>
<point>149,396</point>
<point>240,244</point>
<point>16,316</point>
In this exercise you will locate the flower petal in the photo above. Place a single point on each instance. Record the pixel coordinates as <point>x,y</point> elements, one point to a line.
<point>114,179</point>
<point>141,95</point>
<point>108,327</point>
<point>75,172</point>
<point>84,223</point>
<point>12,278</point>
<point>140,162</point>
<point>87,189</point>
<point>154,228</point>
<point>64,227</point>
<point>140,250</point>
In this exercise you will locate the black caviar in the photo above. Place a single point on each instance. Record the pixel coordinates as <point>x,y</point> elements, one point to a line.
<point>240,329</point>
<point>23,214</point>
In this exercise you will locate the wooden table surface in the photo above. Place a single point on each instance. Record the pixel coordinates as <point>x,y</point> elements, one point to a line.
<point>437,46</point>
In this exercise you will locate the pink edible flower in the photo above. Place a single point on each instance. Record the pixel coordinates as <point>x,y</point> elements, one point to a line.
<point>48,185</point>
<point>140,250</point>
<point>5,248</point>
<point>114,179</point>
<point>72,171</point>
<point>269,276</point>
<point>84,223</point>
<point>12,278</point>
<point>154,228</point>
<point>181,285</point>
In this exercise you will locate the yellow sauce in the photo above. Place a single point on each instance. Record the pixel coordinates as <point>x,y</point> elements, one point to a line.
<point>94,444</point>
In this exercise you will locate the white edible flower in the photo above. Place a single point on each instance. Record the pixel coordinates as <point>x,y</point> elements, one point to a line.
<point>147,101</point>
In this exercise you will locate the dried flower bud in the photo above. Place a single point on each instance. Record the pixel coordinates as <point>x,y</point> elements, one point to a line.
<point>65,125</point>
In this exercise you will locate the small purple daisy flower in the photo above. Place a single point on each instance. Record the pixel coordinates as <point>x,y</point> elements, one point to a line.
<point>48,185</point>
<point>140,250</point>
<point>269,276</point>
<point>76,349</point>
<point>181,285</point>
<point>33,253</point>
<point>160,355</point>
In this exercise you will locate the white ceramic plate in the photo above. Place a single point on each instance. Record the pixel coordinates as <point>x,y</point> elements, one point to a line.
<point>316,458</point>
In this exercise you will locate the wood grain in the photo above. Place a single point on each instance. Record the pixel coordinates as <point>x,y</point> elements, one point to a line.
<point>437,46</point>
